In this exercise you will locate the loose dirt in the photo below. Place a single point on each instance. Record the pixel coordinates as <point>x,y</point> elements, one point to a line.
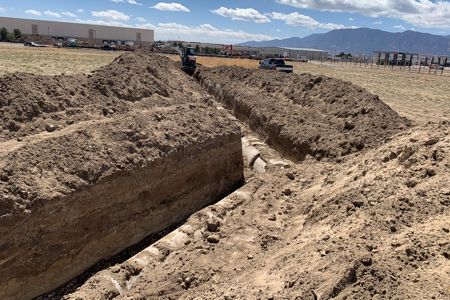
<point>361,211</point>
<point>375,226</point>
<point>87,165</point>
<point>302,114</point>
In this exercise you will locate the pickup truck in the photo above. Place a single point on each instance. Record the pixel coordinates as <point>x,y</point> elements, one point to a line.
<point>275,64</point>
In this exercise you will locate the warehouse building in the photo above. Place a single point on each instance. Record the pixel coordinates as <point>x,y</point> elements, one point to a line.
<point>294,53</point>
<point>63,30</point>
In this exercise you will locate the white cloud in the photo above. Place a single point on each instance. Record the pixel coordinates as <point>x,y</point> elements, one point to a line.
<point>52,14</point>
<point>140,19</point>
<point>170,7</point>
<point>103,22</point>
<point>377,22</point>
<point>80,10</point>
<point>127,1</point>
<point>351,19</point>
<point>296,19</point>
<point>401,27</point>
<point>424,13</point>
<point>2,9</point>
<point>203,33</point>
<point>33,12</point>
<point>69,14</point>
<point>111,15</point>
<point>242,14</point>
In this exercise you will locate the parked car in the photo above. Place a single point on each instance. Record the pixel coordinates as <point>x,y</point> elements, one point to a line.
<point>276,64</point>
<point>32,44</point>
<point>108,48</point>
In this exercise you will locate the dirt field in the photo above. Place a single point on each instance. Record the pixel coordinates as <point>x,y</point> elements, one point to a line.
<point>51,61</point>
<point>361,211</point>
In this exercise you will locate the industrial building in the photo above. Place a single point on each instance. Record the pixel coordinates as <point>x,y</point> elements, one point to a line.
<point>293,53</point>
<point>63,30</point>
<point>259,52</point>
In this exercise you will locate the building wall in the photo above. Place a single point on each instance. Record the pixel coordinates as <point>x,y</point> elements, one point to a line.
<point>76,30</point>
<point>294,53</point>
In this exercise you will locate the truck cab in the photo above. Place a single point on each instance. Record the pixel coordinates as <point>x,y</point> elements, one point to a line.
<point>276,64</point>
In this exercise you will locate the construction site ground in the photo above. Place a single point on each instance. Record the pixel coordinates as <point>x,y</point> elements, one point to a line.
<point>354,203</point>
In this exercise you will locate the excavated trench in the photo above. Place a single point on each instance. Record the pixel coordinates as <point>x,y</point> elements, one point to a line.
<point>138,161</point>
<point>199,260</point>
<point>303,115</point>
<point>88,169</point>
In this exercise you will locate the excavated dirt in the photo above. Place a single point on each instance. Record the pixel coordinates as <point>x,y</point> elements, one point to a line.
<point>375,226</point>
<point>361,212</point>
<point>302,114</point>
<point>30,103</point>
<point>90,165</point>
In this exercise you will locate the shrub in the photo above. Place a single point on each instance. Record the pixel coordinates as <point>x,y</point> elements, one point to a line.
<point>10,37</point>
<point>3,34</point>
<point>17,33</point>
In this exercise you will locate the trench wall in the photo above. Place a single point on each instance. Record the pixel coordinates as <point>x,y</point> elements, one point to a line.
<point>63,236</point>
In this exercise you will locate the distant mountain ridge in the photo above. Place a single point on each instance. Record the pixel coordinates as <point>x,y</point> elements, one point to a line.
<point>365,41</point>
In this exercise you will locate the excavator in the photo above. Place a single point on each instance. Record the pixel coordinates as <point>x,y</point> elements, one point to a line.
<point>188,60</point>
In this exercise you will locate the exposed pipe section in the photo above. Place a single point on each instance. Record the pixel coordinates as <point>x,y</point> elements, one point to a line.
<point>252,157</point>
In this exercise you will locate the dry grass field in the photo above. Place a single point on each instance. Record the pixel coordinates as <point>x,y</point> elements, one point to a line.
<point>420,97</point>
<point>51,61</point>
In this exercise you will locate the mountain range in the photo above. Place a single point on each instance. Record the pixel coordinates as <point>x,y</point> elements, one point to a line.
<point>365,41</point>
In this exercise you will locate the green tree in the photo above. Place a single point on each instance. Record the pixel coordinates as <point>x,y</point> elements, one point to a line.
<point>197,49</point>
<point>10,37</point>
<point>3,34</point>
<point>17,33</point>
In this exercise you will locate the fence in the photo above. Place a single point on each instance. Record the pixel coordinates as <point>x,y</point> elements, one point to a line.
<point>371,63</point>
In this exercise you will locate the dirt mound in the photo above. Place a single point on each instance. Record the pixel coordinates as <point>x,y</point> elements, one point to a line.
<point>92,164</point>
<point>30,103</point>
<point>374,227</point>
<point>302,114</point>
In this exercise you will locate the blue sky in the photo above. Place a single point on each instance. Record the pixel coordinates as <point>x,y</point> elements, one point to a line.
<point>232,21</point>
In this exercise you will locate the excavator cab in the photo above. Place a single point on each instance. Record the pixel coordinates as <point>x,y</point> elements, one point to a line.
<point>188,60</point>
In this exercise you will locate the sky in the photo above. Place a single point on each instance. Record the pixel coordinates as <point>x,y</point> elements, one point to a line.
<point>235,21</point>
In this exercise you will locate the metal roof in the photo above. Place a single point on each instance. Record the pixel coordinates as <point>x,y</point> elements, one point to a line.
<point>304,49</point>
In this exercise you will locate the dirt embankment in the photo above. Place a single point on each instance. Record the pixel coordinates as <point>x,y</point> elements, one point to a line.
<point>302,114</point>
<point>90,165</point>
<point>30,103</point>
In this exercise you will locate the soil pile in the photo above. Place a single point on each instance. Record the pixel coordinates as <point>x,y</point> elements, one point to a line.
<point>31,103</point>
<point>92,164</point>
<point>374,227</point>
<point>302,114</point>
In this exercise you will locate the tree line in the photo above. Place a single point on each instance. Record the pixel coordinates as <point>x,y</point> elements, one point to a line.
<point>6,36</point>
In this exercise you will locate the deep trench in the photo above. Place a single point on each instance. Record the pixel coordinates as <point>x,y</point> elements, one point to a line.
<point>71,286</point>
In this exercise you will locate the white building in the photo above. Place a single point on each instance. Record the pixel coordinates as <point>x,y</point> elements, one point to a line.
<point>294,53</point>
<point>76,30</point>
